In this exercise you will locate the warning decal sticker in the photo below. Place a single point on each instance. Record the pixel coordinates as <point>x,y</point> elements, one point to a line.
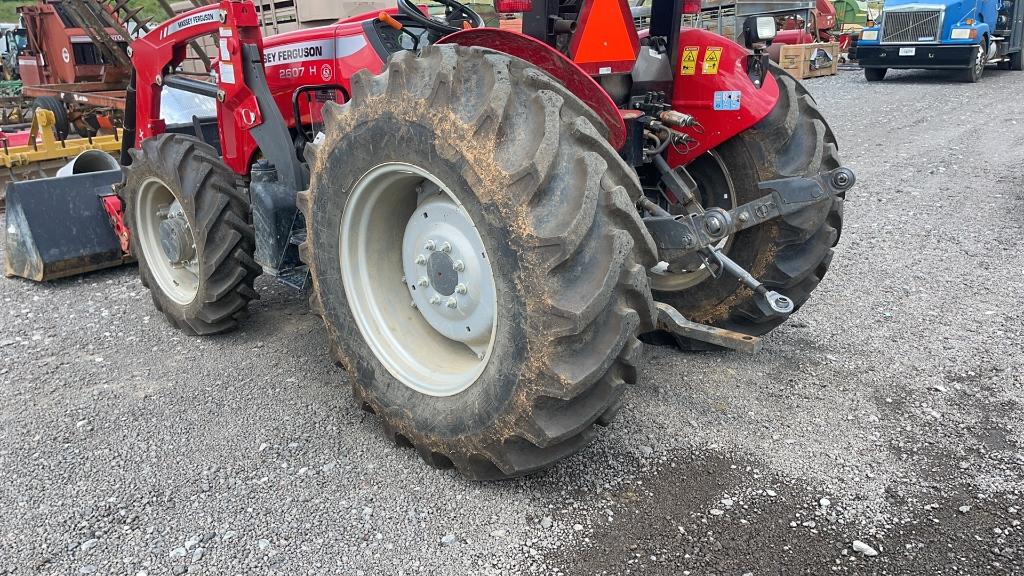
<point>688,63</point>
<point>711,58</point>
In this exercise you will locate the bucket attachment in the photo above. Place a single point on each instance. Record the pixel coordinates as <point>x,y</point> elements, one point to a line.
<point>58,227</point>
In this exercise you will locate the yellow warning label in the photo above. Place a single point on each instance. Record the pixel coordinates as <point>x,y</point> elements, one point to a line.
<point>688,64</point>
<point>711,58</point>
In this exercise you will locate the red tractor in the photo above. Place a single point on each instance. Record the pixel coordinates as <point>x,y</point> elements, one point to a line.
<point>490,220</point>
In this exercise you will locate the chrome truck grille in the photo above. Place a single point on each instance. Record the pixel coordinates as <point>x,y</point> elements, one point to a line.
<point>911,26</point>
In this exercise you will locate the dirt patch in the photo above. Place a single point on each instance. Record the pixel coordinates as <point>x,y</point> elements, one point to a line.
<point>705,513</point>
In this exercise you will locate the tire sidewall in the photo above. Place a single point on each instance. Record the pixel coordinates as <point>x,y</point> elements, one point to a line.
<point>475,409</point>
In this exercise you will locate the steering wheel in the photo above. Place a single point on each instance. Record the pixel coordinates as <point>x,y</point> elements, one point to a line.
<point>453,11</point>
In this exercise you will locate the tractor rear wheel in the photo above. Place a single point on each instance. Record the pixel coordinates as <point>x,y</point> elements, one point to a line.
<point>477,259</point>
<point>789,255</point>
<point>190,233</point>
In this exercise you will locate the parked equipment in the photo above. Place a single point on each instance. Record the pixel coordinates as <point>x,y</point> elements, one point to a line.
<point>945,34</point>
<point>488,220</point>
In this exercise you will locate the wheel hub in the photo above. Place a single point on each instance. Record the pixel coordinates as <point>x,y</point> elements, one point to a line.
<point>446,269</point>
<point>176,240</point>
<point>442,274</point>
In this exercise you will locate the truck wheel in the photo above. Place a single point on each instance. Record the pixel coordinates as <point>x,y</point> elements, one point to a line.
<point>477,259</point>
<point>973,74</point>
<point>61,125</point>
<point>875,74</point>
<point>190,233</point>
<point>788,255</point>
<point>1017,61</point>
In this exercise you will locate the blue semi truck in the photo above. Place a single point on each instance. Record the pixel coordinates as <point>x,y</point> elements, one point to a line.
<point>964,35</point>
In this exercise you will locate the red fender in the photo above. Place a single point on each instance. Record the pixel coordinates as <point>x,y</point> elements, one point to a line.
<point>697,83</point>
<point>554,63</point>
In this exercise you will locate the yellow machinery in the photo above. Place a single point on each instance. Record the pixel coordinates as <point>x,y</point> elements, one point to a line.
<point>45,153</point>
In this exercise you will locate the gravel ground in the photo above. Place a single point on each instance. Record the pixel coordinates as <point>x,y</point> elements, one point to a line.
<point>879,431</point>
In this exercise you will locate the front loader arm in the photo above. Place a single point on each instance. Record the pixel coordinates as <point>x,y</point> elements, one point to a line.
<point>247,117</point>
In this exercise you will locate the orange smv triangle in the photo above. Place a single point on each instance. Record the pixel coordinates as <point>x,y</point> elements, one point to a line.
<point>606,34</point>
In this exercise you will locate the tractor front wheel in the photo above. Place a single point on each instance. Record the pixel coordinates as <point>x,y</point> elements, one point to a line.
<point>477,259</point>
<point>191,234</point>
<point>789,255</point>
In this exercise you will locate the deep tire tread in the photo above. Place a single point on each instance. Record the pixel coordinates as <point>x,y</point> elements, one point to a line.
<point>208,192</point>
<point>581,236</point>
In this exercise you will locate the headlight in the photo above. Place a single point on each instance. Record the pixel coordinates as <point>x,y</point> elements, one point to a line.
<point>758,29</point>
<point>765,27</point>
<point>963,33</point>
<point>869,35</point>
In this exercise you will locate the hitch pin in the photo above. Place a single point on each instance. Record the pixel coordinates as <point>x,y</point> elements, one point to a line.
<point>777,302</point>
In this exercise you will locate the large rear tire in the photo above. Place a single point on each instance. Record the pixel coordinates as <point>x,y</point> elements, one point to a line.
<point>532,205</point>
<point>190,232</point>
<point>789,255</point>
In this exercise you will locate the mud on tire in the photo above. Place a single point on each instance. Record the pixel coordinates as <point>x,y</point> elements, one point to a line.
<point>552,203</point>
<point>217,212</point>
<point>789,255</point>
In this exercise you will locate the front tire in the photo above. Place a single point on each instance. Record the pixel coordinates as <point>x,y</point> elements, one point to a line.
<point>978,60</point>
<point>190,232</point>
<point>789,255</point>
<point>460,135</point>
<point>875,74</point>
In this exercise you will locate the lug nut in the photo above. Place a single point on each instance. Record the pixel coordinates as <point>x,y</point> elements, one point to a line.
<point>435,299</point>
<point>421,259</point>
<point>446,247</point>
<point>461,289</point>
<point>423,282</point>
<point>459,265</point>
<point>429,245</point>
<point>452,302</point>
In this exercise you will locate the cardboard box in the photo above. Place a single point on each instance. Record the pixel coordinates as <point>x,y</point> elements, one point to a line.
<point>810,60</point>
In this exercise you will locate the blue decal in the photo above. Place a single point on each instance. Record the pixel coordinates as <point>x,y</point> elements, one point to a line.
<point>727,100</point>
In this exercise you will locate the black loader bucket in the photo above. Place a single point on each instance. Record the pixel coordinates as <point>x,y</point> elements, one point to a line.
<point>62,226</point>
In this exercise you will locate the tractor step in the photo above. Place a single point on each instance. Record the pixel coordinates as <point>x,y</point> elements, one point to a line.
<point>671,320</point>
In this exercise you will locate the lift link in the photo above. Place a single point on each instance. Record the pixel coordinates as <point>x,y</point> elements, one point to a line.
<point>682,234</point>
<point>686,241</point>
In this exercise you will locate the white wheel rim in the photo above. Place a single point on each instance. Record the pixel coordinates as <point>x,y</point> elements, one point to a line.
<point>154,204</point>
<point>418,279</point>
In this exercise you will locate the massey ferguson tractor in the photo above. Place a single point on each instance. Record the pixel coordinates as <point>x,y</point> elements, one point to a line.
<point>489,221</point>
